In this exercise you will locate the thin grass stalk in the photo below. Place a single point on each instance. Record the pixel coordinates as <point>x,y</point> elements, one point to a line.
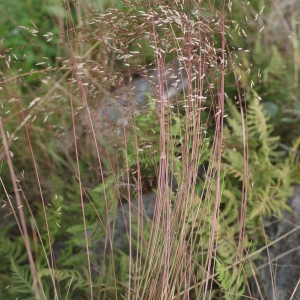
<point>219,117</point>
<point>271,267</point>
<point>74,74</point>
<point>140,218</point>
<point>295,290</point>
<point>37,286</point>
<point>43,204</point>
<point>81,88</point>
<point>242,219</point>
<point>52,267</point>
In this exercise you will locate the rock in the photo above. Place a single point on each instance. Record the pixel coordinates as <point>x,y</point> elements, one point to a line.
<point>284,256</point>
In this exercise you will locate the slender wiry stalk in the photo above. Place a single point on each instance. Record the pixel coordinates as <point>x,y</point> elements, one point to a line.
<point>23,227</point>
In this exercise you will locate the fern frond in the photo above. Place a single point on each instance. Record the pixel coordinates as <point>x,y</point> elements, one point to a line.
<point>231,282</point>
<point>73,278</point>
<point>21,279</point>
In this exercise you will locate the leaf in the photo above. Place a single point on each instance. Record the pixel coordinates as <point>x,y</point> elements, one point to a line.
<point>21,279</point>
<point>230,281</point>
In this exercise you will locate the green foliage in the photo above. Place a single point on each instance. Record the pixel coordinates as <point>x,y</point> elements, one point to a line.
<point>232,283</point>
<point>29,14</point>
<point>268,182</point>
<point>71,279</point>
<point>267,193</point>
<point>268,178</point>
<point>71,275</point>
<point>21,279</point>
<point>146,153</point>
<point>270,62</point>
<point>15,273</point>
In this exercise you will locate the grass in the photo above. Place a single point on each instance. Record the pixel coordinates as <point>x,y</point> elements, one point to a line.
<point>164,201</point>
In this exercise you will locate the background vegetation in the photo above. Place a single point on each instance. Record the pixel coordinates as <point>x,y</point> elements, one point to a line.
<point>78,218</point>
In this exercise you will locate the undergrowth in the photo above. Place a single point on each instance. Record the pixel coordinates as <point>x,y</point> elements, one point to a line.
<point>140,162</point>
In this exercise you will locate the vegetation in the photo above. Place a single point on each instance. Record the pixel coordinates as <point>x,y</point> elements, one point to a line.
<point>109,193</point>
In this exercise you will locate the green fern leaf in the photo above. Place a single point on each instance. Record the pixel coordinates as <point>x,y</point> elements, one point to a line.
<point>21,279</point>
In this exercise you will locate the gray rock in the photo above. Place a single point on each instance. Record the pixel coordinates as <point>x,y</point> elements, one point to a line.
<point>115,111</point>
<point>120,228</point>
<point>284,256</point>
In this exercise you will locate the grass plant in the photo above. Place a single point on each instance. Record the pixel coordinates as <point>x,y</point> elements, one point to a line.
<point>113,193</point>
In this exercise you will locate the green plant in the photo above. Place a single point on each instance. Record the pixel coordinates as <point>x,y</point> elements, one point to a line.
<point>201,154</point>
